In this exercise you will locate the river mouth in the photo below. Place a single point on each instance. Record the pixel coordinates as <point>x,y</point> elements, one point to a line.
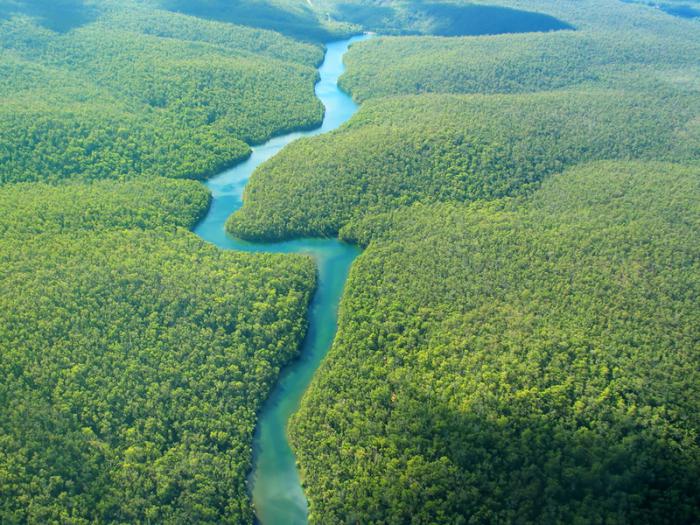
<point>274,483</point>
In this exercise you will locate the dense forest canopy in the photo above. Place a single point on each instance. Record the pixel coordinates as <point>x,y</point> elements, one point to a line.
<point>397,151</point>
<point>443,18</point>
<point>141,92</point>
<point>40,208</point>
<point>527,362</point>
<point>518,343</point>
<point>681,8</point>
<point>295,18</point>
<point>324,20</point>
<point>509,63</point>
<point>135,357</point>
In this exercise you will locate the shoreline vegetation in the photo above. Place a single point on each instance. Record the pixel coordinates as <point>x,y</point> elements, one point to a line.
<point>135,356</point>
<point>522,325</point>
<point>274,484</point>
<point>491,353</point>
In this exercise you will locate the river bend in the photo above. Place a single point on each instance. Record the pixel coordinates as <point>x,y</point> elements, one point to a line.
<point>275,485</point>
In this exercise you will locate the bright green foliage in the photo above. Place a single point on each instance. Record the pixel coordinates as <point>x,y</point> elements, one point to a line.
<point>35,208</point>
<point>609,35</point>
<point>235,38</point>
<point>524,360</point>
<point>444,147</point>
<point>134,356</point>
<point>136,94</point>
<point>529,362</point>
<point>507,63</point>
<point>90,141</point>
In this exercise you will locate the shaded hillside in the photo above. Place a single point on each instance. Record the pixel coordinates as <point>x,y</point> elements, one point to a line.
<point>443,18</point>
<point>57,15</point>
<point>529,363</point>
<point>295,18</point>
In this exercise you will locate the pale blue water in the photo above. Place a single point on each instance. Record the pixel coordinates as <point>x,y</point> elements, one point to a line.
<point>275,484</point>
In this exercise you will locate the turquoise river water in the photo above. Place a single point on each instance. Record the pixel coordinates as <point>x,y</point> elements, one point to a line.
<point>275,485</point>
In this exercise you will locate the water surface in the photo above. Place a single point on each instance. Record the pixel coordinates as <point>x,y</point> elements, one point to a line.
<point>275,485</point>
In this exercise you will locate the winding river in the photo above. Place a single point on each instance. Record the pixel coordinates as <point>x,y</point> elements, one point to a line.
<point>275,485</point>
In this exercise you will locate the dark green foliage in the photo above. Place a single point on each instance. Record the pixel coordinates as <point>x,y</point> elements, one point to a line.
<point>367,15</point>
<point>443,18</point>
<point>512,360</point>
<point>457,148</point>
<point>684,11</point>
<point>134,356</point>
<point>134,94</point>
<point>90,141</point>
<point>609,35</point>
<point>474,19</point>
<point>57,15</point>
<point>682,8</point>
<point>527,362</point>
<point>234,38</point>
<point>295,18</point>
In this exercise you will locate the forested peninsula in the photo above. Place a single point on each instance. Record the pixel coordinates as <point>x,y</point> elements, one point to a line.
<point>519,341</point>
<point>136,357</point>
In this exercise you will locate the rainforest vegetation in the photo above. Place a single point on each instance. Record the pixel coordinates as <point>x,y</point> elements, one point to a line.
<point>144,93</point>
<point>427,148</point>
<point>441,18</point>
<point>134,356</point>
<point>40,208</point>
<point>519,342</point>
<point>681,8</point>
<point>517,362</point>
<point>512,63</point>
<point>295,18</point>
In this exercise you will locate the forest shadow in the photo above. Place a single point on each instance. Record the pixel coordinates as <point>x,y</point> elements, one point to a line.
<point>303,25</point>
<point>682,11</point>
<point>445,19</point>
<point>57,15</point>
<point>544,468</point>
<point>475,19</point>
<point>368,16</point>
<point>679,10</point>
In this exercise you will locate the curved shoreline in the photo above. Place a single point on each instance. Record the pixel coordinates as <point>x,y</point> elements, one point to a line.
<point>274,482</point>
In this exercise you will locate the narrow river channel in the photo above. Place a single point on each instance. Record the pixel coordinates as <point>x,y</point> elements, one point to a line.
<point>275,485</point>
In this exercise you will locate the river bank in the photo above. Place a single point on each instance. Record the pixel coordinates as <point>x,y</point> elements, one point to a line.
<point>275,485</point>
